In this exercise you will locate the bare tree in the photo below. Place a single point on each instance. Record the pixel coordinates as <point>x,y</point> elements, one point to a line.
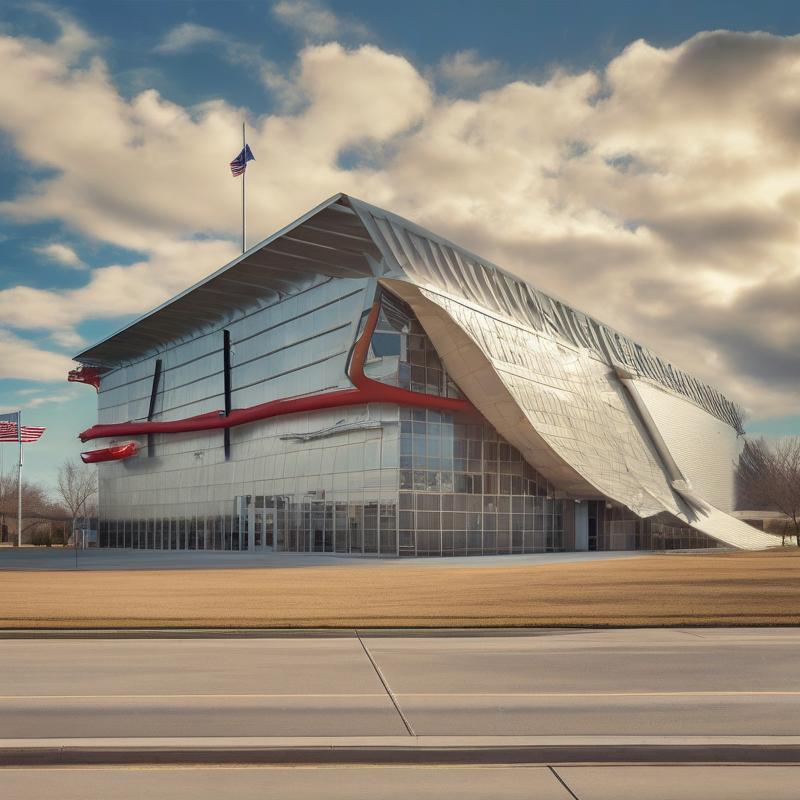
<point>77,488</point>
<point>768,478</point>
<point>35,503</point>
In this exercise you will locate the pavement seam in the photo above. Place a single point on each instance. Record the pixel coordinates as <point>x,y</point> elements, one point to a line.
<point>383,681</point>
<point>563,783</point>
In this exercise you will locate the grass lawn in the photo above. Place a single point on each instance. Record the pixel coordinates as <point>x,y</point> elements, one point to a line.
<point>703,589</point>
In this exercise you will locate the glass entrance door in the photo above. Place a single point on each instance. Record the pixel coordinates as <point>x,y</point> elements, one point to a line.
<point>264,529</point>
<point>268,529</point>
<point>256,531</point>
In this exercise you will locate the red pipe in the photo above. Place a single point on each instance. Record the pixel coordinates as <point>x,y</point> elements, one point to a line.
<point>116,453</point>
<point>366,391</point>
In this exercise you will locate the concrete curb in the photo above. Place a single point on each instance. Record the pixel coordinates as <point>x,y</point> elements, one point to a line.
<point>349,633</point>
<point>277,633</point>
<point>402,750</point>
<point>176,633</point>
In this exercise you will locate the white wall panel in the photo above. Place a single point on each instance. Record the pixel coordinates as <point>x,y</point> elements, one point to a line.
<point>704,448</point>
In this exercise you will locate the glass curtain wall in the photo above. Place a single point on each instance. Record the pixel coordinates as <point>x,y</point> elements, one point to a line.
<point>460,488</point>
<point>465,491</point>
<point>623,530</point>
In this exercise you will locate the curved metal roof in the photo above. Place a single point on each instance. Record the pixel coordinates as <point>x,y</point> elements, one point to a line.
<point>344,237</point>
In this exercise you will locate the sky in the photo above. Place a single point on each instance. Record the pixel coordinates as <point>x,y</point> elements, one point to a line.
<point>639,160</point>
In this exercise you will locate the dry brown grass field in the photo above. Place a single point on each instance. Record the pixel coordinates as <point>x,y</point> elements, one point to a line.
<point>702,589</point>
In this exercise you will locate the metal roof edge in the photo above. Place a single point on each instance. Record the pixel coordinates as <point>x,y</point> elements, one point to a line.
<point>263,243</point>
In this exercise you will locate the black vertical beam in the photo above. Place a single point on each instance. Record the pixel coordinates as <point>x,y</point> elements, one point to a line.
<point>226,375</point>
<point>152,409</point>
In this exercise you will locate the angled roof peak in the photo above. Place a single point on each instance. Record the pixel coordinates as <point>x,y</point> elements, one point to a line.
<point>344,237</point>
<point>328,240</point>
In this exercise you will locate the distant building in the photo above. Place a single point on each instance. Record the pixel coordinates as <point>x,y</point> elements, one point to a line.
<point>357,384</point>
<point>764,520</point>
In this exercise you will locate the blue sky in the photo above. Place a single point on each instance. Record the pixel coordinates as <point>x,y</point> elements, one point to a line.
<point>617,154</point>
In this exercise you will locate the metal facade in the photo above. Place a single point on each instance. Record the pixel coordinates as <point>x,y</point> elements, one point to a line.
<point>579,412</point>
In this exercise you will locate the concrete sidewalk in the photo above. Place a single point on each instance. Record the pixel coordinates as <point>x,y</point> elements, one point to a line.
<point>63,559</point>
<point>397,714</point>
<point>402,782</point>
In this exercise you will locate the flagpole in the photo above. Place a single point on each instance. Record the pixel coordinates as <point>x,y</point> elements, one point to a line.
<point>244,201</point>
<point>19,480</point>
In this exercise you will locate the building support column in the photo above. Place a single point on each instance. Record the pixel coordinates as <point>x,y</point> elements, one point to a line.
<point>226,376</point>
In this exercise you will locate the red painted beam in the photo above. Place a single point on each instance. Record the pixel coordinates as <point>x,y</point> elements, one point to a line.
<point>88,375</point>
<point>116,453</point>
<point>366,391</point>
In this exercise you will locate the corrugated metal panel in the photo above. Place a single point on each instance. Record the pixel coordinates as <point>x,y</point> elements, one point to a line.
<point>345,237</point>
<point>458,272</point>
<point>723,527</point>
<point>528,384</point>
<point>705,449</point>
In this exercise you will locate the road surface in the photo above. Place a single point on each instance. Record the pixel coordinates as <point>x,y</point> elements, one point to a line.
<point>692,682</point>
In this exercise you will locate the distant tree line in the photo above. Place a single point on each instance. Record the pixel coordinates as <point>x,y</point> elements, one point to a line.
<point>48,518</point>
<point>768,479</point>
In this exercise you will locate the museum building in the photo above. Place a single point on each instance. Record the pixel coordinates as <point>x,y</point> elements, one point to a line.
<point>357,384</point>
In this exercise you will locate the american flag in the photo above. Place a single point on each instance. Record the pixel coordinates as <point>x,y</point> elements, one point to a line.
<point>8,429</point>
<point>239,164</point>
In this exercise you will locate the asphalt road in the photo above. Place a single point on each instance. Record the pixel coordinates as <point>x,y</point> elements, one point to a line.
<point>700,682</point>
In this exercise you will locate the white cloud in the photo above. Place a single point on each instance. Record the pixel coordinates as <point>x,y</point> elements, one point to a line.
<point>115,290</point>
<point>187,36</point>
<point>170,164</point>
<point>465,70</point>
<point>661,194</point>
<point>62,254</point>
<point>73,41</point>
<point>317,21</point>
<point>23,359</point>
<point>50,399</point>
<point>68,338</point>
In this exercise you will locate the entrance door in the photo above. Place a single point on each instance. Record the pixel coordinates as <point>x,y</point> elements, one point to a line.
<point>256,531</point>
<point>592,533</point>
<point>257,524</point>
<point>268,529</point>
<point>251,528</point>
<point>318,526</point>
<point>582,525</point>
<point>260,530</point>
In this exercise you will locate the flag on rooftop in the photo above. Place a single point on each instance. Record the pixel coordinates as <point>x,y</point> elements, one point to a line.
<point>239,164</point>
<point>8,429</point>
